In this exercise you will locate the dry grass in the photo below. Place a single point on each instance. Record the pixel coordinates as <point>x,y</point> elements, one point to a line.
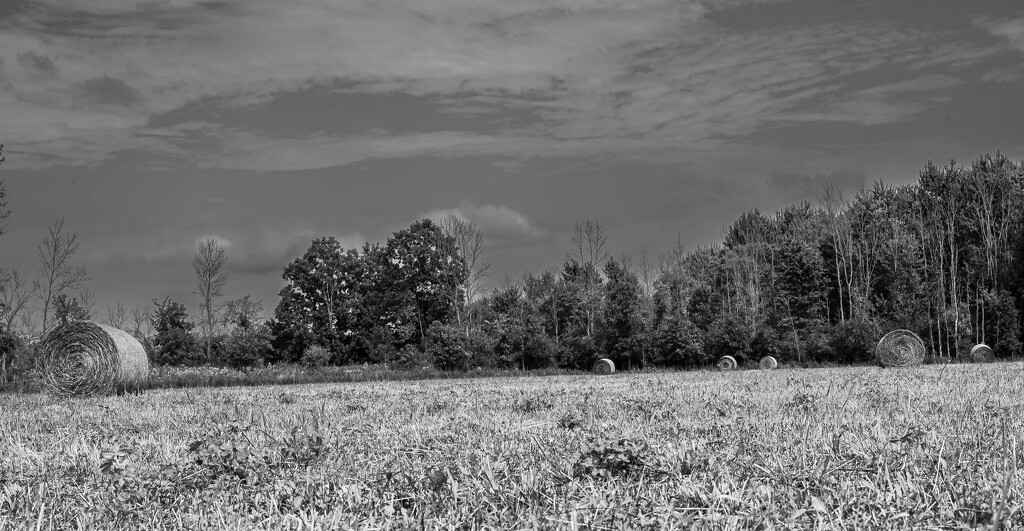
<point>767,363</point>
<point>856,448</point>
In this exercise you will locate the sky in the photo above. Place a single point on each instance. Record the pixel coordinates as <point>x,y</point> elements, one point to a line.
<point>148,125</point>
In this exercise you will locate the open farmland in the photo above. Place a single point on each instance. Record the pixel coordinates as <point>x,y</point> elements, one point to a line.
<point>930,447</point>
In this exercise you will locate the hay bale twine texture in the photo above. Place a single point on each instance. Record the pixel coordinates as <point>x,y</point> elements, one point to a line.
<point>727,363</point>
<point>982,353</point>
<point>604,366</point>
<point>83,358</point>
<point>767,363</point>
<point>900,348</point>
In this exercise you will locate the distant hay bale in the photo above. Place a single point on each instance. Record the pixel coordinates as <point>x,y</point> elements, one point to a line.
<point>982,353</point>
<point>83,358</point>
<point>900,348</point>
<point>604,366</point>
<point>768,363</point>
<point>727,363</point>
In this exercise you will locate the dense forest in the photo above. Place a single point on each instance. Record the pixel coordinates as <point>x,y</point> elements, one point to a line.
<point>812,283</point>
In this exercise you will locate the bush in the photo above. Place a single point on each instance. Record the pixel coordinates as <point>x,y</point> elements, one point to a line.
<point>446,345</point>
<point>480,347</point>
<point>411,357</point>
<point>15,358</point>
<point>679,343</point>
<point>578,353</point>
<point>247,347</point>
<point>854,341</point>
<point>730,335</point>
<point>316,356</point>
<point>177,347</point>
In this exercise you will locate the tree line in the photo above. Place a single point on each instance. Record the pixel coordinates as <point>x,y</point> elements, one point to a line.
<point>811,283</point>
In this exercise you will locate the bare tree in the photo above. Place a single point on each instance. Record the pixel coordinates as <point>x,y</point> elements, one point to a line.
<point>646,267</point>
<point>5,212</point>
<point>588,247</point>
<point>29,323</point>
<point>15,293</point>
<point>140,319</point>
<point>842,244</point>
<point>87,298</point>
<point>117,315</point>
<point>57,275</point>
<point>469,246</point>
<point>208,264</point>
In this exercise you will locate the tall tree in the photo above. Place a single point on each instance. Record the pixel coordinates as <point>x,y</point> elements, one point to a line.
<point>15,294</point>
<point>468,244</point>
<point>410,273</point>
<point>321,300</point>
<point>57,275</point>
<point>623,326</point>
<point>588,247</point>
<point>5,213</point>
<point>209,266</point>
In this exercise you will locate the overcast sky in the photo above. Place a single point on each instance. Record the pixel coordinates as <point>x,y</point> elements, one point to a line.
<point>148,124</point>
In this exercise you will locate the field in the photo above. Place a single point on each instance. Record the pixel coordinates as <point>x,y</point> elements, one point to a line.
<point>931,447</point>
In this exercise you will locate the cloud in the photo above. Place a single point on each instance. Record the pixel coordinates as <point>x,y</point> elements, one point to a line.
<point>496,221</point>
<point>256,252</point>
<point>39,63</point>
<point>1011,30</point>
<point>270,250</point>
<point>106,91</point>
<point>795,185</point>
<point>639,78</point>
<point>1004,75</point>
<point>885,103</point>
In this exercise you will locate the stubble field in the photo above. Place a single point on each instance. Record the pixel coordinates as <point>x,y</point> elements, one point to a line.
<point>931,447</point>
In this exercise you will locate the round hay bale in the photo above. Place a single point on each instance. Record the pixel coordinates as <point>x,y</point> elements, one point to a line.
<point>767,363</point>
<point>82,358</point>
<point>727,363</point>
<point>900,348</point>
<point>604,366</point>
<point>982,353</point>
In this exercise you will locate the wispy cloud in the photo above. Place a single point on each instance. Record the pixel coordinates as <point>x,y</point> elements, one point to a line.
<point>637,78</point>
<point>257,251</point>
<point>496,221</point>
<point>1011,30</point>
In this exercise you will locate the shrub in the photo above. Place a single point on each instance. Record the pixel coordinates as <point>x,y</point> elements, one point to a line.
<point>446,345</point>
<point>679,343</point>
<point>14,357</point>
<point>854,341</point>
<point>729,335</point>
<point>411,357</point>
<point>578,353</point>
<point>177,347</point>
<point>316,356</point>
<point>481,350</point>
<point>247,347</point>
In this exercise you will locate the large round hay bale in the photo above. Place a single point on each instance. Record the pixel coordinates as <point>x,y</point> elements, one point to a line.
<point>83,358</point>
<point>982,353</point>
<point>900,348</point>
<point>767,363</point>
<point>604,366</point>
<point>727,363</point>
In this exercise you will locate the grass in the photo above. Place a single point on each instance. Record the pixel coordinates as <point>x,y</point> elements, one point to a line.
<point>935,447</point>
